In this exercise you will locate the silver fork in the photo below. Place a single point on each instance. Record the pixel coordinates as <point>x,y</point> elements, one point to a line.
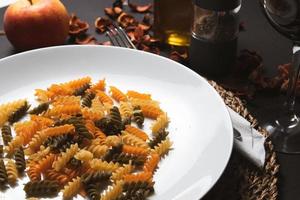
<point>118,37</point>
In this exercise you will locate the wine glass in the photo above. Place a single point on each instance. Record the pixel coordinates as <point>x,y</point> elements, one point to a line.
<point>284,16</point>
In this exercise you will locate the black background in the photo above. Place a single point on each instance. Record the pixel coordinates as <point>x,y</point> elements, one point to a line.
<point>259,36</point>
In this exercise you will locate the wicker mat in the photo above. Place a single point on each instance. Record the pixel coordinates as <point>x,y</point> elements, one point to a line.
<point>242,180</point>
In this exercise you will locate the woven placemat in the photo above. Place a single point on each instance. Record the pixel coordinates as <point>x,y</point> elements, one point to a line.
<point>241,179</point>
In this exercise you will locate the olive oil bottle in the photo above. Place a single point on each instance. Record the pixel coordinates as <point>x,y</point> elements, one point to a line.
<point>173,20</point>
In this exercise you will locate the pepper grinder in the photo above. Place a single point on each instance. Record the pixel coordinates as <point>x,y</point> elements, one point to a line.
<point>214,36</point>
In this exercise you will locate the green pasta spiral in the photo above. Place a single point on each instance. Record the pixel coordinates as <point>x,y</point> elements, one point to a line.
<point>20,160</point>
<point>59,143</point>
<point>95,177</point>
<point>6,134</point>
<point>138,116</point>
<point>3,173</point>
<point>39,109</point>
<point>132,187</point>
<point>19,113</point>
<point>161,135</point>
<point>92,191</point>
<point>1,151</point>
<point>115,117</point>
<point>115,150</point>
<point>87,100</point>
<point>107,126</point>
<point>44,188</point>
<point>81,91</point>
<point>127,158</point>
<point>140,194</point>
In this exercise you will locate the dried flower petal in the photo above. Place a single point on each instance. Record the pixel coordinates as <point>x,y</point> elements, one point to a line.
<point>140,8</point>
<point>101,24</point>
<point>85,39</point>
<point>126,20</point>
<point>77,27</point>
<point>113,12</point>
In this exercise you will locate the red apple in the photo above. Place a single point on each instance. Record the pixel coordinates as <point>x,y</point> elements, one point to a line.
<point>30,24</point>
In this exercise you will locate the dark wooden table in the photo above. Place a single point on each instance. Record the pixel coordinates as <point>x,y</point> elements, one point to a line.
<point>258,36</point>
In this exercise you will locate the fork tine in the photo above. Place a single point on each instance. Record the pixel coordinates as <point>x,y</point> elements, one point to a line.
<point>125,37</point>
<point>111,33</point>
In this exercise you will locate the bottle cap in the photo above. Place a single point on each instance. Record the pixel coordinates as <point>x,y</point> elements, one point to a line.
<point>218,5</point>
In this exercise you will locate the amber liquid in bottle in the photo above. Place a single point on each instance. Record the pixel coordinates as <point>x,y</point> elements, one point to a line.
<point>172,21</point>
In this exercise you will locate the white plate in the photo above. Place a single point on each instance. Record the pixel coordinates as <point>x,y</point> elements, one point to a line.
<point>200,124</point>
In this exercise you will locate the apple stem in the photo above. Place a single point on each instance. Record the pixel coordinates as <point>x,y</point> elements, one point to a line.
<point>2,32</point>
<point>30,1</point>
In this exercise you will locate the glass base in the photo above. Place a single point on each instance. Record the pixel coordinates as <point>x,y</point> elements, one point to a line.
<point>285,134</point>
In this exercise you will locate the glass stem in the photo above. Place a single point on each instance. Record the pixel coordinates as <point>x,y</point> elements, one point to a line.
<point>293,79</point>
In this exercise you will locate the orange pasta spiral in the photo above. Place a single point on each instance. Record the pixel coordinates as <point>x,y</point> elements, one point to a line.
<point>137,132</point>
<point>135,150</point>
<point>152,162</point>
<point>142,176</point>
<point>151,111</point>
<point>117,94</point>
<point>104,98</point>
<point>134,94</point>
<point>59,110</point>
<point>98,86</point>
<point>33,172</point>
<point>61,178</point>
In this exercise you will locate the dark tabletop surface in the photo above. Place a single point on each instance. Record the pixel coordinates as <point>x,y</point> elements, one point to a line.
<point>258,36</point>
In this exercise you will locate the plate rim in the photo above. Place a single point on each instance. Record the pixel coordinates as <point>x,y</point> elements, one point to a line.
<point>192,72</point>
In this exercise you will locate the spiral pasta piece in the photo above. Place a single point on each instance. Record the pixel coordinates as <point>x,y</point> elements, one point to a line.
<point>20,159</point>
<point>65,157</point>
<point>117,94</point>
<point>104,98</point>
<point>136,132</point>
<point>98,150</point>
<point>81,90</point>
<point>113,192</point>
<point>137,95</point>
<point>84,155</point>
<point>42,188</point>
<point>12,172</point>
<point>14,144</point>
<point>121,172</point>
<point>139,177</point>
<point>152,162</point>
<point>26,130</point>
<point>97,106</point>
<point>43,96</point>
<point>160,123</point>
<point>59,110</point>
<point>6,134</point>
<point>7,109</point>
<point>135,150</point>
<point>151,112</point>
<point>66,100</point>
<point>113,140</point>
<point>39,109</point>
<point>90,114</point>
<point>43,122</point>
<point>100,85</point>
<point>87,100</point>
<point>61,178</point>
<point>38,155</point>
<point>46,163</point>
<point>33,173</point>
<point>97,164</point>
<point>72,188</point>
<point>138,116</point>
<point>125,109</point>
<point>130,139</point>
<point>3,174</point>
<point>163,148</point>
<point>143,102</point>
<point>92,191</point>
<point>19,113</point>
<point>41,136</point>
